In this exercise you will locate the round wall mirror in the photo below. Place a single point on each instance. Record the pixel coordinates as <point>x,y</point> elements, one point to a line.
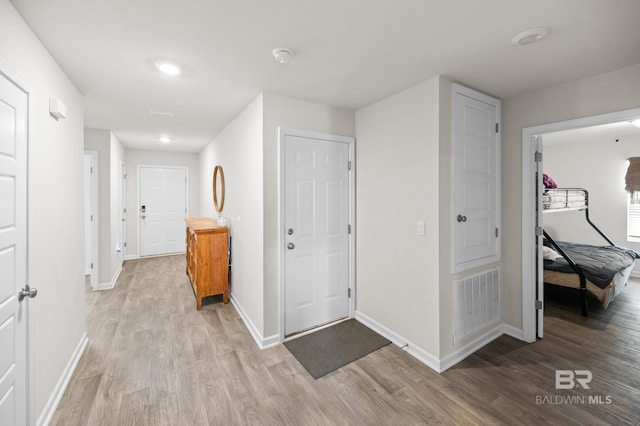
<point>218,188</point>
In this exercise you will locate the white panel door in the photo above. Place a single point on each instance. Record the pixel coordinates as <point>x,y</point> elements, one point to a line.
<point>88,215</point>
<point>13,253</point>
<point>316,222</point>
<point>475,180</point>
<point>163,207</point>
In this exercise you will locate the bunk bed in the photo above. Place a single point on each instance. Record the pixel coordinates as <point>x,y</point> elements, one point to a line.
<point>600,270</point>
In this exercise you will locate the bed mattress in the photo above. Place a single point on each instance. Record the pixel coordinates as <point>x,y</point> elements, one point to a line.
<point>604,295</point>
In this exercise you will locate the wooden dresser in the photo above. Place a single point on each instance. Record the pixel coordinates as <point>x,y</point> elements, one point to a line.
<point>207,258</point>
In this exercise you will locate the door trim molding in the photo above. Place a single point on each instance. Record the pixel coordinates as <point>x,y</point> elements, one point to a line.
<point>281,133</point>
<point>12,75</point>
<point>529,282</point>
<point>186,201</point>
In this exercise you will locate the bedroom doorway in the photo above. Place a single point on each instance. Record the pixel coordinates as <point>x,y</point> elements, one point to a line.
<point>532,286</point>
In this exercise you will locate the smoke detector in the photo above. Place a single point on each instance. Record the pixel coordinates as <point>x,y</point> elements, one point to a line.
<point>282,54</point>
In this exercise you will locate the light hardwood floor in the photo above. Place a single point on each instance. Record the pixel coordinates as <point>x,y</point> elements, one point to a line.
<point>152,359</point>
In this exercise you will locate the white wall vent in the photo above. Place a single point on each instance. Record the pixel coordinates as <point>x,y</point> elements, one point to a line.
<point>476,303</point>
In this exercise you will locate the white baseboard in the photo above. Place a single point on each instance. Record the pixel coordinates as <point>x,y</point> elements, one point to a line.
<point>112,284</point>
<point>262,342</point>
<point>414,350</point>
<point>132,257</point>
<point>513,332</point>
<point>52,404</point>
<point>430,360</point>
<point>463,352</point>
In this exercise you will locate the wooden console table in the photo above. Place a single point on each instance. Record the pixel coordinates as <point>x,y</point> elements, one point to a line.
<point>207,258</point>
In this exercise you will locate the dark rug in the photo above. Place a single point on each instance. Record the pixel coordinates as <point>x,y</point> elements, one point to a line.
<point>327,350</point>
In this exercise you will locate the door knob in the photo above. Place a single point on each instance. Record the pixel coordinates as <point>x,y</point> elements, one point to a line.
<point>290,231</point>
<point>462,218</point>
<point>291,246</point>
<point>27,292</point>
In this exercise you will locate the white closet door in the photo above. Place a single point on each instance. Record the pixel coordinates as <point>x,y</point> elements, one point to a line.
<point>476,200</point>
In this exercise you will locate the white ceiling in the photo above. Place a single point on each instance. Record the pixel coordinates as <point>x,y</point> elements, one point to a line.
<point>348,53</point>
<point>623,131</point>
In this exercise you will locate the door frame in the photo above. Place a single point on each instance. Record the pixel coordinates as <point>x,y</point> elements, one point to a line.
<point>282,133</point>
<point>30,308</point>
<point>94,224</point>
<point>138,184</point>
<point>529,277</point>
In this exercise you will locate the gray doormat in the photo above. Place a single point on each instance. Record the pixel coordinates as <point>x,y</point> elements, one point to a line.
<point>327,350</point>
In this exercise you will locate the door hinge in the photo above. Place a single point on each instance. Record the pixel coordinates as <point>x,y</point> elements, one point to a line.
<point>91,218</point>
<point>125,244</point>
<point>349,165</point>
<point>348,229</point>
<point>497,127</point>
<point>538,304</point>
<point>349,293</point>
<point>538,231</point>
<point>538,156</point>
<point>124,176</point>
<point>497,232</point>
<point>185,209</point>
<point>91,265</point>
<point>124,210</point>
<point>91,169</point>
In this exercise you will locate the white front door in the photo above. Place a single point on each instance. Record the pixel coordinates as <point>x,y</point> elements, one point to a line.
<point>163,207</point>
<point>13,253</point>
<point>316,226</point>
<point>475,140</point>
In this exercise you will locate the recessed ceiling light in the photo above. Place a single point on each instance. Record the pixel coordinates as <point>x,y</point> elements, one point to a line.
<point>168,68</point>
<point>165,139</point>
<point>530,36</point>
<point>282,54</point>
<point>636,122</point>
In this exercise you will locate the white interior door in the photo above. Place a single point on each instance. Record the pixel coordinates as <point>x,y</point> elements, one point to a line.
<point>88,215</point>
<point>123,210</point>
<point>163,207</point>
<point>13,253</point>
<point>316,209</point>
<point>475,179</point>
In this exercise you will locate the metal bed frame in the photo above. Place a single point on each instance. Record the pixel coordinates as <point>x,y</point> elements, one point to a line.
<point>571,199</point>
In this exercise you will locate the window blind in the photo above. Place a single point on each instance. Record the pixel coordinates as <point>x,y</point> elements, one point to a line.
<point>632,178</point>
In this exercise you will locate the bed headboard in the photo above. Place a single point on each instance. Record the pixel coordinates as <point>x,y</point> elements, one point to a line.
<point>564,199</point>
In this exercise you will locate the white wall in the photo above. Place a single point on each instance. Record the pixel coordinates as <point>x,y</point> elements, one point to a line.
<point>599,167</point>
<point>99,140</point>
<point>116,157</point>
<point>133,158</point>
<point>238,149</point>
<point>604,93</point>
<point>55,203</point>
<point>398,184</point>
<point>110,153</point>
